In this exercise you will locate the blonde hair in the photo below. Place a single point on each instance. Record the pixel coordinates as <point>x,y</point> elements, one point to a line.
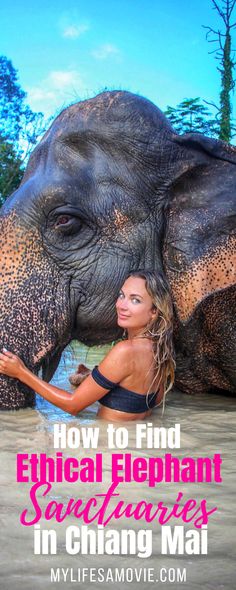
<point>160,331</point>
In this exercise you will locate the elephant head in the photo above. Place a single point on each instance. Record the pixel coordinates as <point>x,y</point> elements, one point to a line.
<point>103,194</point>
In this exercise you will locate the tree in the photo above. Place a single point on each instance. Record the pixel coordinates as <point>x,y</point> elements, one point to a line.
<point>225,55</point>
<point>11,170</point>
<point>20,129</point>
<point>192,116</point>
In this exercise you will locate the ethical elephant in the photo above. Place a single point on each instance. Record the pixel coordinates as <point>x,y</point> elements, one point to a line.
<point>111,188</point>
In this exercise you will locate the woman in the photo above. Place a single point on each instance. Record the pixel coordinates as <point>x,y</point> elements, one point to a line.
<point>136,374</point>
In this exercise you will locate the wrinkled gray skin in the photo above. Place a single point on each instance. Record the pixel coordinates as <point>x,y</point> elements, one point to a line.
<point>111,188</point>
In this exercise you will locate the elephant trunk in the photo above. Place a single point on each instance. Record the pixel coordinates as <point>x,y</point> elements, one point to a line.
<point>34,307</point>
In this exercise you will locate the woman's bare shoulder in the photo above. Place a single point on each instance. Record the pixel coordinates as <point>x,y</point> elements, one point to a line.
<point>121,351</point>
<point>117,364</point>
<point>123,347</point>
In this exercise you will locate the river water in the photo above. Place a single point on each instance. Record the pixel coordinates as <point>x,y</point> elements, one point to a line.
<point>207,425</point>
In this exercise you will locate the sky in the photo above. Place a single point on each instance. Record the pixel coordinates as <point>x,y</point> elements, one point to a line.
<point>69,50</point>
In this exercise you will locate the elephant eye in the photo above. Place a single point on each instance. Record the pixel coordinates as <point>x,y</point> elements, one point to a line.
<point>67,224</point>
<point>62,220</point>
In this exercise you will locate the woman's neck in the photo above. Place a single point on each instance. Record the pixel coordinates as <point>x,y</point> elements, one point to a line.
<point>135,333</point>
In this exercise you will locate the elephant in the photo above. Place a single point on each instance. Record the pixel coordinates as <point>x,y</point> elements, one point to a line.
<point>112,188</point>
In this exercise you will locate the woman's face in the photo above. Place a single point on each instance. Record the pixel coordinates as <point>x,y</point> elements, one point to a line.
<point>134,305</point>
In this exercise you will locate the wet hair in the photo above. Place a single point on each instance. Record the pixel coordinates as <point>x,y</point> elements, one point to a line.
<point>160,331</point>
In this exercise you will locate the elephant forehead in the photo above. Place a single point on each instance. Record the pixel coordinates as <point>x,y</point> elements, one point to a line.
<point>120,123</point>
<point>116,107</point>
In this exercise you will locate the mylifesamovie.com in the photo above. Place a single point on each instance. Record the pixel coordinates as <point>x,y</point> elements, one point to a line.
<point>93,536</point>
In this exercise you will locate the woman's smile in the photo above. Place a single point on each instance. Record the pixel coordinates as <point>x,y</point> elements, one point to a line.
<point>123,316</point>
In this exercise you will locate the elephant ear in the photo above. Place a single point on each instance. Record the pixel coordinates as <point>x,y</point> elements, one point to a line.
<point>214,147</point>
<point>199,250</point>
<point>200,264</point>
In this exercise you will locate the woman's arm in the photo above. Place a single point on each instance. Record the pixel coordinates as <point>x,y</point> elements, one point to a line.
<point>114,367</point>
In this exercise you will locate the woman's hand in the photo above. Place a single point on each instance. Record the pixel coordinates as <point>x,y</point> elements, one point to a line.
<point>10,364</point>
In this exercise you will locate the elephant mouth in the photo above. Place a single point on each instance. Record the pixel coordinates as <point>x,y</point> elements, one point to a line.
<point>101,336</point>
<point>50,363</point>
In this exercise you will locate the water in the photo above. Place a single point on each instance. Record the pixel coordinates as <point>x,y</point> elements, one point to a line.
<point>207,427</point>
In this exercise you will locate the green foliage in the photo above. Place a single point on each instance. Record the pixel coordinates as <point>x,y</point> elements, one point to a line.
<point>11,101</point>
<point>227,85</point>
<point>192,116</point>
<point>11,170</point>
<point>20,129</point>
<point>224,55</point>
